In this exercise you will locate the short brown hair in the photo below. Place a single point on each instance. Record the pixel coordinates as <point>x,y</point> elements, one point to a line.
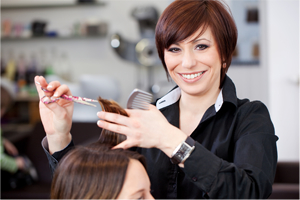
<point>95,171</point>
<point>183,18</point>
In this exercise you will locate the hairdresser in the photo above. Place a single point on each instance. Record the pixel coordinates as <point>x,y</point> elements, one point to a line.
<point>199,140</point>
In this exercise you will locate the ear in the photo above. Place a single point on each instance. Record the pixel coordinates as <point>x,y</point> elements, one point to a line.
<point>224,65</point>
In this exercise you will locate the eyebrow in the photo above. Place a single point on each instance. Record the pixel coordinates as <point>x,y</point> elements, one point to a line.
<point>196,40</point>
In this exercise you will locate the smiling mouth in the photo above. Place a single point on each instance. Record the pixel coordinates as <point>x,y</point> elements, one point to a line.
<point>192,76</point>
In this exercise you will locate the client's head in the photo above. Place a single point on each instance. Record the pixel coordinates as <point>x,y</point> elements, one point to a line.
<point>97,171</point>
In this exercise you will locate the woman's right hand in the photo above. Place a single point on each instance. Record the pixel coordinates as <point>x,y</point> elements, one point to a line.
<point>57,116</point>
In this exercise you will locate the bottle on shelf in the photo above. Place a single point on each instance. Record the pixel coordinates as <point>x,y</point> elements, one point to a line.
<point>21,74</point>
<point>31,73</point>
<point>10,69</point>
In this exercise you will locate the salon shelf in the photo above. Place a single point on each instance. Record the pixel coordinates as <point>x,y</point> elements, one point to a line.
<point>245,63</point>
<point>9,7</point>
<point>19,39</point>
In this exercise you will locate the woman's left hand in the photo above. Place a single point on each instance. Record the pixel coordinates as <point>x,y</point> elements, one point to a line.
<point>143,128</point>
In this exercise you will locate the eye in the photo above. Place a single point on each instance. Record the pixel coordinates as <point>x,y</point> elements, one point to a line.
<point>201,47</point>
<point>174,49</point>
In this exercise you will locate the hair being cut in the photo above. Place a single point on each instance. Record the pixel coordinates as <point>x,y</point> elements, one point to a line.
<point>183,18</point>
<point>95,171</point>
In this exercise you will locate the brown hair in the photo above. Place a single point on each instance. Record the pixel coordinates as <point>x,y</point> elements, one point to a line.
<point>92,172</point>
<point>106,135</point>
<point>183,18</point>
<point>96,170</point>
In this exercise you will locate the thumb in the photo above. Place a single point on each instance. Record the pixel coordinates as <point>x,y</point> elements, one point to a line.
<point>123,145</point>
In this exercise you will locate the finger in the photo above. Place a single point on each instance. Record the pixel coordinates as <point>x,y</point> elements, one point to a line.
<point>113,117</point>
<point>44,86</point>
<point>52,86</point>
<point>44,95</point>
<point>57,91</point>
<point>134,112</point>
<point>42,81</point>
<point>117,128</point>
<point>38,84</point>
<point>62,89</point>
<point>124,145</point>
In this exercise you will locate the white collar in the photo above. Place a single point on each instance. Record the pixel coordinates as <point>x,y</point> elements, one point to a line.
<point>173,96</point>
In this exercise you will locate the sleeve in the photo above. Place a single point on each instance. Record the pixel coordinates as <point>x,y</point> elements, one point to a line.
<point>8,163</point>
<point>251,174</point>
<point>56,156</point>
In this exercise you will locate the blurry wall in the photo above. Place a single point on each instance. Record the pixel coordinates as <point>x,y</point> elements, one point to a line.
<point>273,81</point>
<point>282,41</point>
<point>276,80</point>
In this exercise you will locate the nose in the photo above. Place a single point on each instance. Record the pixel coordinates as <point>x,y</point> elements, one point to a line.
<point>188,59</point>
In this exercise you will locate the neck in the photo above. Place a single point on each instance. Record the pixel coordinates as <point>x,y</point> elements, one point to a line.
<point>198,104</point>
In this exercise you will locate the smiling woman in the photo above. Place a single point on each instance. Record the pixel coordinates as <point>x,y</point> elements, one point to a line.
<point>200,140</point>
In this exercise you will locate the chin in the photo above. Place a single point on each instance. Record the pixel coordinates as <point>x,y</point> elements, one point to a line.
<point>194,90</point>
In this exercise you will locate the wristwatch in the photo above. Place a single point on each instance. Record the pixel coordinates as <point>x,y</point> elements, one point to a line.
<point>183,151</point>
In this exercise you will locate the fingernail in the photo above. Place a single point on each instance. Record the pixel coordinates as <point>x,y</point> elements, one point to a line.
<point>37,83</point>
<point>49,86</point>
<point>46,100</point>
<point>55,95</point>
<point>98,113</point>
<point>53,98</point>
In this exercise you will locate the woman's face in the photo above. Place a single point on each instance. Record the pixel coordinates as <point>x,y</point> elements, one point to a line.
<point>137,183</point>
<point>194,64</point>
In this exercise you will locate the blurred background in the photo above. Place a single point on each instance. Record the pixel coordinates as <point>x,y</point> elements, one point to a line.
<point>106,48</point>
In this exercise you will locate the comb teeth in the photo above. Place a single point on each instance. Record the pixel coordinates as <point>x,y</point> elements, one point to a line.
<point>139,99</point>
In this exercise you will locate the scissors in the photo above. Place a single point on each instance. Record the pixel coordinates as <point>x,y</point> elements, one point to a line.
<point>81,100</point>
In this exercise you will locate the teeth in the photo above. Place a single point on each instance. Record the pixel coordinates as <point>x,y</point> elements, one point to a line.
<point>191,76</point>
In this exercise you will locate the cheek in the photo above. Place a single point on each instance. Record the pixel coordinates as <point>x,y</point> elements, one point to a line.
<point>171,62</point>
<point>212,60</point>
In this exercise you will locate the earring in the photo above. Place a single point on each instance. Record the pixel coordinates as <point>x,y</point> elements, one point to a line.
<point>224,65</point>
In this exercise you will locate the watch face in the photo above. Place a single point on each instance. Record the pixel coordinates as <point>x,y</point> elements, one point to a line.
<point>184,148</point>
<point>183,153</point>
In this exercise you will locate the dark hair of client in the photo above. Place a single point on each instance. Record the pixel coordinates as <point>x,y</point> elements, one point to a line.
<point>190,16</point>
<point>95,171</point>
